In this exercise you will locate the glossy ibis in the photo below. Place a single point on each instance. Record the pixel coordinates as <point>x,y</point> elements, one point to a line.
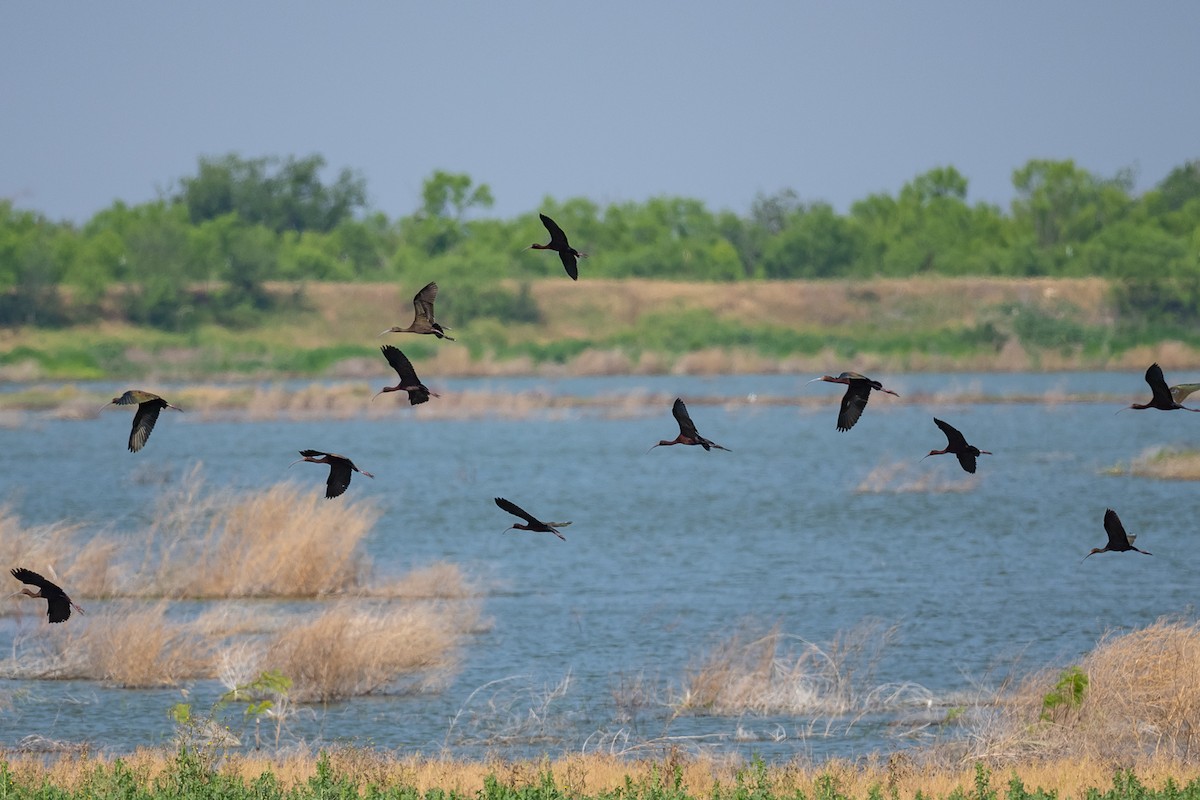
<point>58,604</point>
<point>1118,540</point>
<point>339,470</point>
<point>687,430</point>
<point>558,242</point>
<point>147,414</point>
<point>1162,398</point>
<point>858,391</point>
<point>423,321</point>
<point>956,443</point>
<point>409,382</point>
<point>531,523</point>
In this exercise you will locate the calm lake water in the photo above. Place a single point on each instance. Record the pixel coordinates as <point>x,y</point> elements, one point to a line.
<point>673,551</point>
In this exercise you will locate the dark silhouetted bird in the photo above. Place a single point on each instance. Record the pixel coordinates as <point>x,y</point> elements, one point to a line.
<point>423,321</point>
<point>58,604</point>
<point>957,444</point>
<point>1118,540</point>
<point>409,382</point>
<point>558,242</point>
<point>531,523</point>
<point>147,414</point>
<point>687,430</point>
<point>1162,398</point>
<point>339,470</point>
<point>858,391</point>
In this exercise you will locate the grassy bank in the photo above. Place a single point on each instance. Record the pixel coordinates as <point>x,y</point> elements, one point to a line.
<point>633,326</point>
<point>351,773</point>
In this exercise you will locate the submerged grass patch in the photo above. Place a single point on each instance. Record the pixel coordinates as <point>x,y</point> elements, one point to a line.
<point>1164,463</point>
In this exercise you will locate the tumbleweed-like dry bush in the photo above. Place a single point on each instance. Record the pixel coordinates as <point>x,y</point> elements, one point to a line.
<point>1141,705</point>
<point>280,542</point>
<point>777,673</point>
<point>56,552</point>
<point>350,650</point>
<point>128,644</point>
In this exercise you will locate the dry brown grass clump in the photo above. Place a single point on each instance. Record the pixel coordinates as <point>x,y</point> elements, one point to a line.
<point>1140,705</point>
<point>441,580</point>
<point>349,650</point>
<point>127,644</point>
<point>775,673</point>
<point>55,551</point>
<point>281,542</point>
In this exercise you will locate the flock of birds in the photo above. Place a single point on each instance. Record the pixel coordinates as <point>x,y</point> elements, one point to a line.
<point>853,403</point>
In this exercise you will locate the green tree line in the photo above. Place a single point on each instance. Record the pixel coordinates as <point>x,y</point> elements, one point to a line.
<point>204,251</point>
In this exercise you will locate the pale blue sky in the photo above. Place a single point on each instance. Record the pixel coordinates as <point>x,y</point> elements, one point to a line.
<point>612,100</point>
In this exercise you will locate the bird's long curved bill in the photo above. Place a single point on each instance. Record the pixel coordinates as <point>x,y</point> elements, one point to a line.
<point>294,463</point>
<point>381,333</point>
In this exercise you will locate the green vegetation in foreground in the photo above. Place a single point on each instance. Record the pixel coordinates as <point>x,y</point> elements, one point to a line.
<point>190,776</point>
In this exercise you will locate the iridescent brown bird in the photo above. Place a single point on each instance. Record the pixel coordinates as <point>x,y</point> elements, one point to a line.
<point>409,382</point>
<point>58,604</point>
<point>558,242</point>
<point>687,431</point>
<point>858,391</point>
<point>339,470</point>
<point>1162,398</point>
<point>957,444</point>
<point>1118,540</point>
<point>423,321</point>
<point>532,523</point>
<point>147,414</point>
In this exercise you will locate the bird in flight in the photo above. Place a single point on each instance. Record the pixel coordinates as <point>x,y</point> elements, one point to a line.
<point>409,382</point>
<point>531,523</point>
<point>858,391</point>
<point>687,430</point>
<point>1118,540</point>
<point>1162,398</point>
<point>58,605</point>
<point>147,414</point>
<point>558,242</point>
<point>339,470</point>
<point>957,444</point>
<point>423,321</point>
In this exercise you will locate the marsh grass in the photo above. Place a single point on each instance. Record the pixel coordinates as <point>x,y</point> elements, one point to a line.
<point>349,650</point>
<point>277,542</point>
<point>1164,463</point>
<point>775,673</point>
<point>1140,704</point>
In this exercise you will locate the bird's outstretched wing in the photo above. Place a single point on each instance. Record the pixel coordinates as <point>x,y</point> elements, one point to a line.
<point>686,426</point>
<point>33,579</point>
<point>1117,538</point>
<point>339,478</point>
<point>557,237</point>
<point>853,403</point>
<point>423,302</point>
<point>313,453</point>
<point>1158,385</point>
<point>967,458</point>
<point>570,263</point>
<point>956,441</point>
<point>517,511</point>
<point>400,363</point>
<point>143,422</point>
